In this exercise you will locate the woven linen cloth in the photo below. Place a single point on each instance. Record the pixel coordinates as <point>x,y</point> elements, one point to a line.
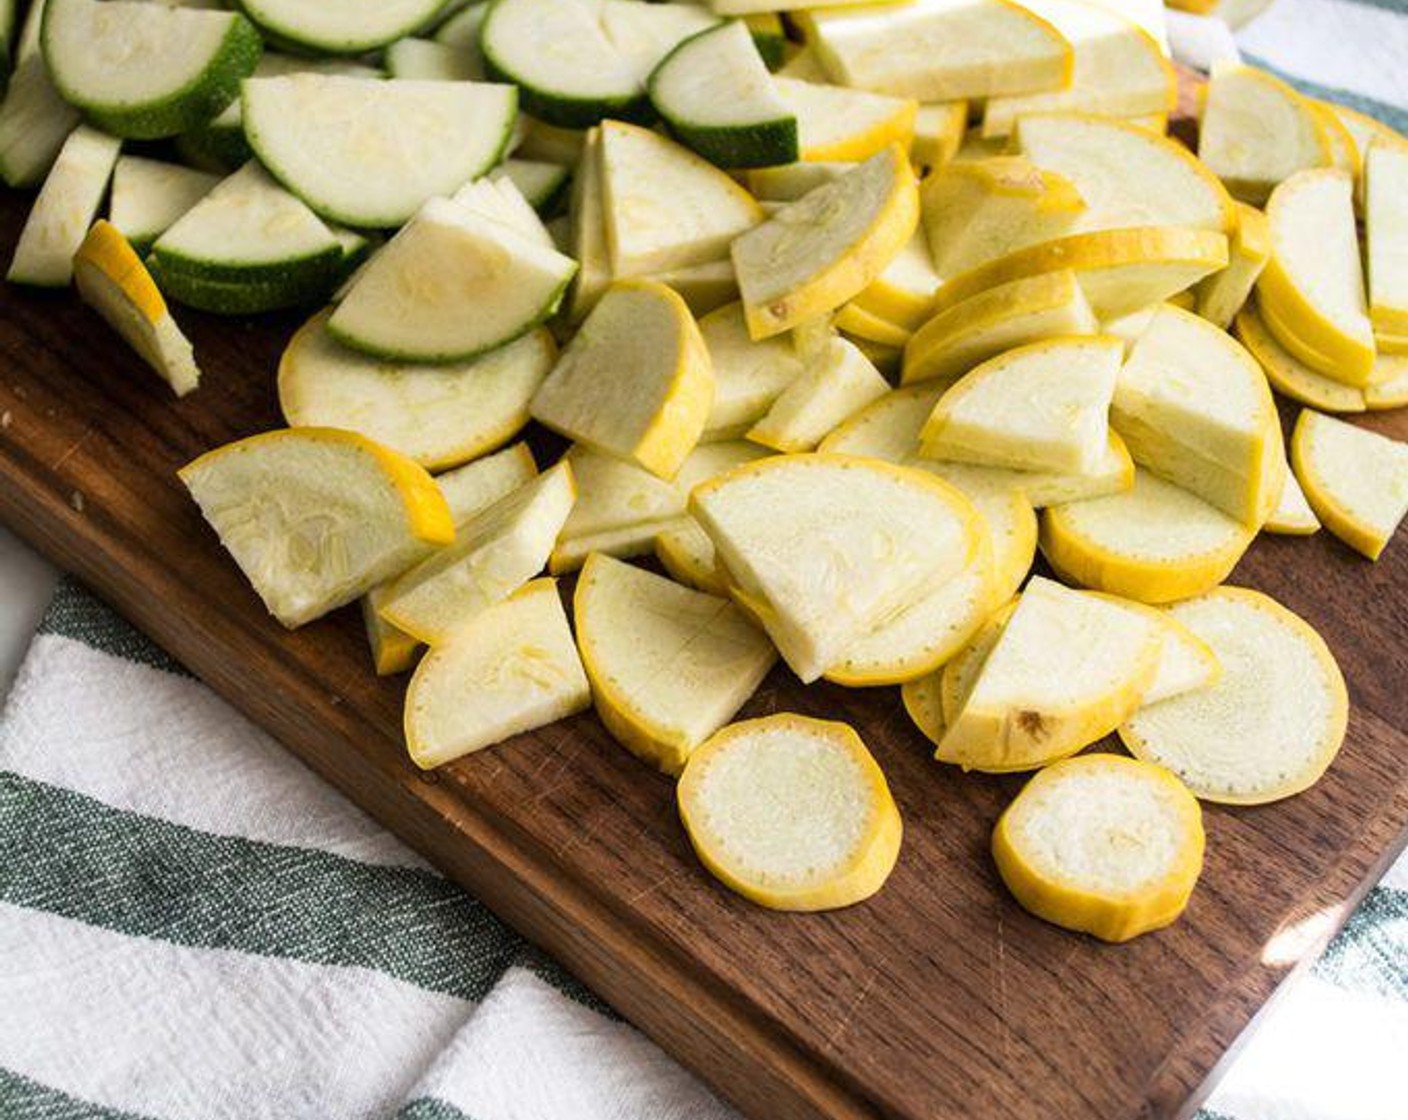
<point>193,926</point>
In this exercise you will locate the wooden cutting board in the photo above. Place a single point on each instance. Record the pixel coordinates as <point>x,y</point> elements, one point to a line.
<point>938,998</point>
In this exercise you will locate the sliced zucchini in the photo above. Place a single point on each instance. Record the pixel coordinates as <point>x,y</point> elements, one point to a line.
<point>65,208</point>
<point>769,36</point>
<point>370,153</point>
<point>431,61</point>
<point>501,200</point>
<point>148,196</point>
<point>451,284</point>
<point>462,28</point>
<point>340,26</point>
<point>247,246</point>
<point>145,71</point>
<point>717,96</point>
<point>644,33</point>
<point>35,121</point>
<point>543,184</point>
<point>567,70</point>
<point>220,145</point>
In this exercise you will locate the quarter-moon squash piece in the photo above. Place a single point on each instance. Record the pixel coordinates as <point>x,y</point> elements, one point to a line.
<point>469,490</point>
<point>1292,515</point>
<point>1068,668</point>
<point>1274,721</point>
<point>513,669</point>
<point>1127,175</point>
<point>1355,480</point>
<point>822,548</point>
<point>1120,270</point>
<point>438,415</point>
<point>1102,844</point>
<point>1194,407</point>
<point>1155,542</point>
<point>113,281</point>
<point>1044,406</point>
<point>315,517</point>
<point>792,813</point>
<point>1257,131</point>
<point>494,555</point>
<point>636,382</point>
<point>1311,292</point>
<point>837,382</point>
<point>1001,318</point>
<point>668,666</point>
<point>821,251</point>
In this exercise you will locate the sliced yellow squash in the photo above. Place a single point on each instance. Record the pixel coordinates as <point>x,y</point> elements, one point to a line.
<point>635,382</point>
<point>822,548</point>
<point>1155,542</point>
<point>512,669</point>
<point>1040,407</point>
<point>495,554</point>
<point>1355,480</point>
<point>668,666</point>
<point>113,281</point>
<point>792,813</point>
<point>315,517</point>
<point>1273,722</point>
<point>1010,315</point>
<point>1068,668</point>
<point>1102,844</point>
<point>819,252</point>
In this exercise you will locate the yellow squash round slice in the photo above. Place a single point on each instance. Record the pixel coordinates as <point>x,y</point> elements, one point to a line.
<point>821,251</point>
<point>1155,542</point>
<point>1356,480</point>
<point>1273,722</point>
<point>636,382</point>
<point>792,813</point>
<point>513,669</point>
<point>438,415</point>
<point>113,281</point>
<point>1102,844</point>
<point>315,517</point>
<point>668,666</point>
<point>1068,668</point>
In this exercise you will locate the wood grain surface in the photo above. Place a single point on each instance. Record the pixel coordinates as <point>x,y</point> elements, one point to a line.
<point>939,998</point>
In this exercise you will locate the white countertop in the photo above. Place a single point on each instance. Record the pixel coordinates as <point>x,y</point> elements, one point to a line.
<point>26,582</point>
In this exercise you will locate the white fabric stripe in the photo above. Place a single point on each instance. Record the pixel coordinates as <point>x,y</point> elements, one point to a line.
<point>529,1053</point>
<point>1321,1054</point>
<point>163,745</point>
<point>181,1033</point>
<point>1351,46</point>
<point>1397,875</point>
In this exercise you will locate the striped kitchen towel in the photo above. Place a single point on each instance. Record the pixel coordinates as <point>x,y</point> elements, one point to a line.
<point>195,927</point>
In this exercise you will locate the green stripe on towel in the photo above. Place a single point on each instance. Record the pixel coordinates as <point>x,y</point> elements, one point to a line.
<point>73,856</point>
<point>23,1099</point>
<point>430,1108</point>
<point>74,612</point>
